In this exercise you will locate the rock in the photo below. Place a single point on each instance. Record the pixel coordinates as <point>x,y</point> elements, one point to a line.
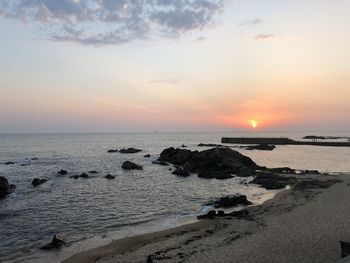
<point>37,181</point>
<point>35,158</point>
<point>112,151</point>
<point>130,150</point>
<point>261,147</point>
<point>147,156</point>
<point>84,175</point>
<point>127,165</point>
<point>62,172</point>
<point>241,214</point>
<point>207,163</point>
<point>181,172</point>
<point>160,163</point>
<point>109,176</point>
<point>183,146</point>
<point>149,259</point>
<point>230,201</point>
<point>10,163</point>
<point>74,176</point>
<point>25,164</point>
<point>214,174</point>
<point>93,172</point>
<point>5,187</point>
<point>271,181</point>
<point>55,243</point>
<point>210,215</point>
<point>345,249</point>
<point>221,213</point>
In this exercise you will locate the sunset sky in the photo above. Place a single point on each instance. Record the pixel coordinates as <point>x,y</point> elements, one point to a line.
<point>173,65</point>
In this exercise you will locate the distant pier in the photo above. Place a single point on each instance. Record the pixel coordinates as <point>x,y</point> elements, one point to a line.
<point>280,141</point>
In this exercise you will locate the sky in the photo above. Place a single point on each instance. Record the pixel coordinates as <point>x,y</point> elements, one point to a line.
<point>174,65</point>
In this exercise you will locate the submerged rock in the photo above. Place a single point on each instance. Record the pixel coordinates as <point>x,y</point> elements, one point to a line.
<point>10,163</point>
<point>37,181</point>
<point>181,172</point>
<point>130,150</point>
<point>207,163</point>
<point>109,176</point>
<point>160,163</point>
<point>84,175</point>
<point>62,172</point>
<point>55,243</point>
<point>230,201</point>
<point>76,176</point>
<point>261,147</point>
<point>5,187</point>
<point>112,151</point>
<point>127,165</point>
<point>147,156</point>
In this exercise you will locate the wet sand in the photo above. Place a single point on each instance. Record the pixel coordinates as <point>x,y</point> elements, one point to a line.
<point>302,224</point>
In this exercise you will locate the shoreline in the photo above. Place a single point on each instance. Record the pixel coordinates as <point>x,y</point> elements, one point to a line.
<point>189,243</point>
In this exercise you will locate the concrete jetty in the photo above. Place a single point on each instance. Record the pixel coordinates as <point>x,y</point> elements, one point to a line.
<point>280,141</point>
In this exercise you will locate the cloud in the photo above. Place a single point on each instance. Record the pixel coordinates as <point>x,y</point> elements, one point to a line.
<point>109,22</point>
<point>251,22</point>
<point>165,81</point>
<point>263,36</point>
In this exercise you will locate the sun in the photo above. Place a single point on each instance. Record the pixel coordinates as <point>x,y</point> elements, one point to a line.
<point>253,123</point>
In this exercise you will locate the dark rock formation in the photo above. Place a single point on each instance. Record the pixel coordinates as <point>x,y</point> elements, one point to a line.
<point>230,201</point>
<point>84,175</point>
<point>93,172</point>
<point>5,187</point>
<point>183,146</point>
<point>25,164</point>
<point>214,174</point>
<point>345,248</point>
<point>109,176</point>
<point>271,181</point>
<point>147,156</point>
<point>62,172</point>
<point>302,185</point>
<point>181,172</point>
<point>37,181</point>
<point>241,214</point>
<point>210,215</point>
<point>55,243</point>
<point>130,150</point>
<point>261,147</point>
<point>35,158</point>
<point>160,163</point>
<point>127,165</point>
<point>112,151</point>
<point>10,163</point>
<point>76,176</point>
<point>219,160</point>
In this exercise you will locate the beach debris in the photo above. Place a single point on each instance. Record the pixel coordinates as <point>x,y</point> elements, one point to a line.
<point>36,181</point>
<point>345,248</point>
<point>56,243</point>
<point>127,165</point>
<point>160,163</point>
<point>230,201</point>
<point>62,172</point>
<point>208,162</point>
<point>130,150</point>
<point>5,187</point>
<point>112,151</point>
<point>109,176</point>
<point>147,156</point>
<point>181,171</point>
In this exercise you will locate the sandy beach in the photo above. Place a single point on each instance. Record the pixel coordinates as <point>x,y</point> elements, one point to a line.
<point>302,224</point>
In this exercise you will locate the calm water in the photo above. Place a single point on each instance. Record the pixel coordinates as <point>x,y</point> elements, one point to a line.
<point>91,212</point>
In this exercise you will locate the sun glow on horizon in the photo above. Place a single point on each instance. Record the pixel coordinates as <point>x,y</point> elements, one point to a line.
<point>253,123</point>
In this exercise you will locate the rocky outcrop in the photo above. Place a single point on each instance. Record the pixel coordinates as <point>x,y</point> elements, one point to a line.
<point>230,201</point>
<point>112,151</point>
<point>214,174</point>
<point>109,176</point>
<point>261,147</point>
<point>241,214</point>
<point>36,181</point>
<point>130,150</point>
<point>127,165</point>
<point>271,181</point>
<point>62,172</point>
<point>210,162</point>
<point>55,243</point>
<point>5,187</point>
<point>181,172</point>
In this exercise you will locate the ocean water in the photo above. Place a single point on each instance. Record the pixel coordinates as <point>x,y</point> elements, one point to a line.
<point>94,211</point>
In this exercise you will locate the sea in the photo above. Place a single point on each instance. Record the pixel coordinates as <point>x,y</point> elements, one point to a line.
<point>92,212</point>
